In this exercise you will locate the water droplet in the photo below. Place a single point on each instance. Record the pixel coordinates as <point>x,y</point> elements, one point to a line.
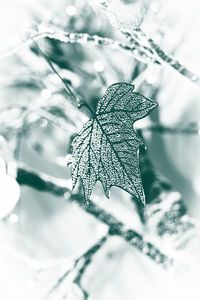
<point>86,202</point>
<point>158,258</point>
<point>12,219</point>
<point>43,123</point>
<point>145,248</point>
<point>134,241</point>
<point>98,66</point>
<point>155,6</point>
<point>68,159</point>
<point>70,10</point>
<point>46,94</point>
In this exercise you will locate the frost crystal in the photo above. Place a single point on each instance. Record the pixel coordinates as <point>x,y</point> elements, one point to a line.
<point>107,147</point>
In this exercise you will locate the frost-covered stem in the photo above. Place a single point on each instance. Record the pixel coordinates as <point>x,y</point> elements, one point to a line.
<point>83,38</point>
<point>79,267</point>
<point>60,187</point>
<point>151,52</point>
<point>162,57</point>
<point>147,51</point>
<point>131,236</point>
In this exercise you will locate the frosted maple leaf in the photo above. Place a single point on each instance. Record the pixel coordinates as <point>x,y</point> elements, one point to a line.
<point>107,147</point>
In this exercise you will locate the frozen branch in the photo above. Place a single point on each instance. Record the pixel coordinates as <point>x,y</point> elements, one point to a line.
<point>156,53</point>
<point>140,52</point>
<point>143,48</point>
<point>61,187</point>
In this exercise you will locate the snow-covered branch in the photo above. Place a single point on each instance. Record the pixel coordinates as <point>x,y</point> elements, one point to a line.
<point>59,187</point>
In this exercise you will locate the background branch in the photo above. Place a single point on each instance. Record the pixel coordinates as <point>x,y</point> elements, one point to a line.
<point>79,267</point>
<point>59,187</point>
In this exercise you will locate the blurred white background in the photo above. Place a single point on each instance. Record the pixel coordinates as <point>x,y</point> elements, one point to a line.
<point>48,229</point>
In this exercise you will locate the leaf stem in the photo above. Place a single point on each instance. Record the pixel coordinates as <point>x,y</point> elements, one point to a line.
<point>66,87</point>
<point>84,103</point>
<point>79,102</point>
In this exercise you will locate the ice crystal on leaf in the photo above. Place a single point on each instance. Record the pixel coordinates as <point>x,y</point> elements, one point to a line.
<point>107,147</point>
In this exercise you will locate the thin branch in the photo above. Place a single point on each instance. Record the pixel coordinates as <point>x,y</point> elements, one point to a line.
<point>79,267</point>
<point>79,102</point>
<point>66,87</point>
<point>20,135</point>
<point>59,187</point>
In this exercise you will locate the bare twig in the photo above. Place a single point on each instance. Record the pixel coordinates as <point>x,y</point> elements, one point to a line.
<point>66,87</point>
<point>79,267</point>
